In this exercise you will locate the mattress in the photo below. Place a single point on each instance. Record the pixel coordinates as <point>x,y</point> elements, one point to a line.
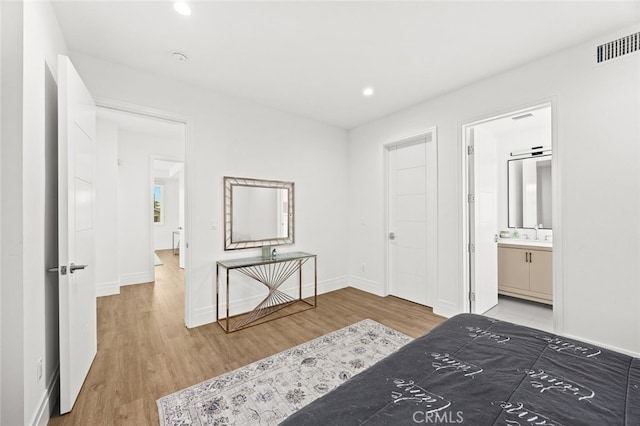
<point>477,370</point>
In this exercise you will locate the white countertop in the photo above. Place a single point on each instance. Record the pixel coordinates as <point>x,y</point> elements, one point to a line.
<point>526,242</point>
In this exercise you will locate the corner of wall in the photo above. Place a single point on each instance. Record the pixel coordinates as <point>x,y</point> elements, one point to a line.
<point>107,288</point>
<point>369,286</point>
<point>48,400</point>
<point>12,308</point>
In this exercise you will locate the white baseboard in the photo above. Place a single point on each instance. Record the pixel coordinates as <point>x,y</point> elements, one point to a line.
<point>107,289</point>
<point>47,402</point>
<point>136,278</point>
<point>203,316</point>
<point>332,284</point>
<point>248,303</point>
<point>603,345</point>
<point>446,310</point>
<point>369,286</point>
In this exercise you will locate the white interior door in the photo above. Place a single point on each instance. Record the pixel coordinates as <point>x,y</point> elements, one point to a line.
<point>76,157</point>
<point>484,253</point>
<point>412,219</point>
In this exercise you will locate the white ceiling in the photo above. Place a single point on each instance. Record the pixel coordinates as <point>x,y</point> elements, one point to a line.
<point>314,58</point>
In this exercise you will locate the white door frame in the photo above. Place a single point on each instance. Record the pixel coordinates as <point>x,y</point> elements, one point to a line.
<point>386,146</point>
<point>152,159</point>
<point>558,307</point>
<point>189,158</point>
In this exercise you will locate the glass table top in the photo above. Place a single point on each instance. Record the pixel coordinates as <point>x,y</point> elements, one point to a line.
<point>259,260</point>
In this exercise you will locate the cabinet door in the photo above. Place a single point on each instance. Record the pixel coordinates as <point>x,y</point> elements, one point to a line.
<point>540,275</point>
<point>513,269</point>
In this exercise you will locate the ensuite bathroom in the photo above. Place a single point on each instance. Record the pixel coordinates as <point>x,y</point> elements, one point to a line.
<point>512,217</point>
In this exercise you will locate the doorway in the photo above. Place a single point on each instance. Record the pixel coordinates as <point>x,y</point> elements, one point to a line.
<point>509,230</point>
<point>411,217</point>
<point>167,177</point>
<point>132,138</point>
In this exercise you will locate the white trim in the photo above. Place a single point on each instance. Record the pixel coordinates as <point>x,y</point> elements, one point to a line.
<point>136,278</point>
<point>203,316</point>
<point>446,309</point>
<point>108,288</point>
<point>189,160</point>
<point>556,207</point>
<point>386,146</point>
<point>47,402</point>
<point>367,285</point>
<point>246,304</point>
<point>602,345</point>
<point>333,284</point>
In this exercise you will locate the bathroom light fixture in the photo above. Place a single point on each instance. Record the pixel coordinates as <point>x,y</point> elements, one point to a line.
<point>367,92</point>
<point>536,150</point>
<point>182,8</point>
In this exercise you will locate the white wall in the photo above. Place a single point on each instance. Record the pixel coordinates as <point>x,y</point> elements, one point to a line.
<point>43,42</point>
<point>237,138</point>
<point>598,174</point>
<point>107,259</point>
<point>162,233</point>
<point>31,41</point>
<point>0,210</point>
<point>12,312</point>
<point>135,151</point>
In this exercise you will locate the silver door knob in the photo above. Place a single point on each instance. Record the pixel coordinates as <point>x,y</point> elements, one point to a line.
<point>73,267</point>
<point>392,236</point>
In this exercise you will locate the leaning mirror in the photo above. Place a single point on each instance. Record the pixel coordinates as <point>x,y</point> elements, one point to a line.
<point>257,213</point>
<point>529,182</point>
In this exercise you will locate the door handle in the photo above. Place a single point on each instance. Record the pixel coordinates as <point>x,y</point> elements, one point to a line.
<point>73,267</point>
<point>61,269</point>
<point>392,236</point>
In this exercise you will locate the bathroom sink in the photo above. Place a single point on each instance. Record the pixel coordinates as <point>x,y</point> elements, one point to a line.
<point>526,242</point>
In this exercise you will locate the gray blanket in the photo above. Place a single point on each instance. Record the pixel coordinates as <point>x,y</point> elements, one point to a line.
<point>479,371</point>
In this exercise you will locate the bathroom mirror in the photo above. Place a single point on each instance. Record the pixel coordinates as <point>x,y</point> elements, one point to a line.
<point>529,192</point>
<point>257,213</point>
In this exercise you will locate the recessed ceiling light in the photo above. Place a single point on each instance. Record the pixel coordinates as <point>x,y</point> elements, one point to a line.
<point>367,91</point>
<point>182,8</point>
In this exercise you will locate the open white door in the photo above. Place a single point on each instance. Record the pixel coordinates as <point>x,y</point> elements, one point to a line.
<point>483,169</point>
<point>76,157</point>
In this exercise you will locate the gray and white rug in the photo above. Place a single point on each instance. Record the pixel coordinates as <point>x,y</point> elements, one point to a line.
<point>268,391</point>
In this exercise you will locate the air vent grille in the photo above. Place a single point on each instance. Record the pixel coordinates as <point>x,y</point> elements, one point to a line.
<point>616,48</point>
<point>522,117</point>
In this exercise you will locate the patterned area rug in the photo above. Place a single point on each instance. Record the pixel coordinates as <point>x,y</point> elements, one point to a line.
<point>268,391</point>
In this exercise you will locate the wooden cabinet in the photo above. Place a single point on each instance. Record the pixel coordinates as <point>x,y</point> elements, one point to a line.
<point>525,272</point>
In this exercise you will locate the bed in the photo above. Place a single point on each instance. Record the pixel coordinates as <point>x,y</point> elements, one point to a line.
<point>480,371</point>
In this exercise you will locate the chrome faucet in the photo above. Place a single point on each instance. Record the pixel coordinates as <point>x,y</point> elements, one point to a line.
<point>536,226</point>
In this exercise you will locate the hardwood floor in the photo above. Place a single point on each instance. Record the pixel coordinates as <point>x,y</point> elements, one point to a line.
<point>145,351</point>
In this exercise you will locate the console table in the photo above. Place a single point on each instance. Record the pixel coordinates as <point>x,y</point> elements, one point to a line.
<point>272,273</point>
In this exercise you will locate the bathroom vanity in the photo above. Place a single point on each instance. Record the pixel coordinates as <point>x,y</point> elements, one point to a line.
<point>525,270</point>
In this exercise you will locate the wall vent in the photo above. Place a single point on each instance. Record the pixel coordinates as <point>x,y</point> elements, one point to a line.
<point>616,48</point>
<point>522,117</point>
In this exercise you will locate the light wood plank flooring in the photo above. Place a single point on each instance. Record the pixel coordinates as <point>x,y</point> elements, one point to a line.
<point>145,351</point>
